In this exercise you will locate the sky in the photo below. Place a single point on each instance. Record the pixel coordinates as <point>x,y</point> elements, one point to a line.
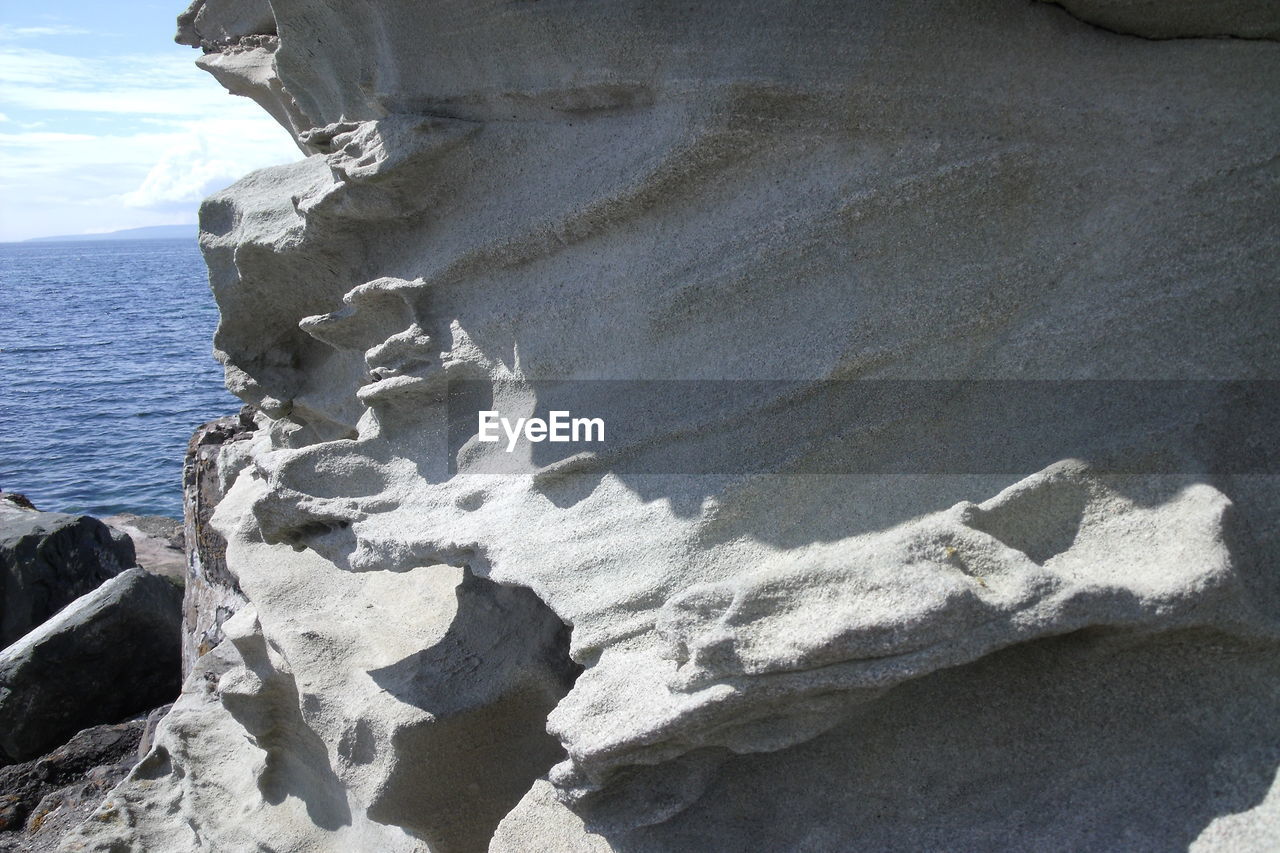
<point>106,123</point>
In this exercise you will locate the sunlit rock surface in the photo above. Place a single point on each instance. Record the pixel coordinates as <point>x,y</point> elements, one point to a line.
<point>1016,590</point>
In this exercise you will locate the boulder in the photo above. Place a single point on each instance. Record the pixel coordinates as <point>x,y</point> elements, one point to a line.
<point>109,655</point>
<point>48,559</point>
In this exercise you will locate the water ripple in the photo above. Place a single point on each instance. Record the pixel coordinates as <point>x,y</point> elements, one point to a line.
<point>104,372</point>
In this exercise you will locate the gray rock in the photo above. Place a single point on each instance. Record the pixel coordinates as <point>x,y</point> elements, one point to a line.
<point>15,500</point>
<point>157,543</point>
<point>160,527</point>
<point>48,559</point>
<point>224,22</point>
<point>800,627</point>
<point>472,682</point>
<point>111,653</point>
<point>151,723</point>
<point>1167,19</point>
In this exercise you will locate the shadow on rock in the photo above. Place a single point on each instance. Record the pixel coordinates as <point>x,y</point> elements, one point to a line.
<point>1090,742</point>
<point>265,701</point>
<point>489,684</point>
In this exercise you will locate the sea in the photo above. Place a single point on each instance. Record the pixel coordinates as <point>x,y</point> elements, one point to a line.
<point>105,371</point>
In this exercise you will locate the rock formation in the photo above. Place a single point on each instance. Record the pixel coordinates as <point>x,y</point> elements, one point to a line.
<point>48,559</point>
<point>88,765</point>
<point>211,594</point>
<point>110,654</point>
<point>159,543</point>
<point>97,644</point>
<point>937,511</point>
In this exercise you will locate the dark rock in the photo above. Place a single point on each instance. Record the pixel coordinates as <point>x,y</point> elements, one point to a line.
<point>48,559</point>
<point>79,773</point>
<point>112,653</point>
<point>212,593</point>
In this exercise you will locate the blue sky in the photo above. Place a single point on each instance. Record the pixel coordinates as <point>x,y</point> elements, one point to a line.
<point>105,123</point>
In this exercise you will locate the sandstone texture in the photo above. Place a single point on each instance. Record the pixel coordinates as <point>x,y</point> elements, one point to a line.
<point>48,559</point>
<point>938,508</point>
<point>1165,19</point>
<point>221,23</point>
<point>110,654</point>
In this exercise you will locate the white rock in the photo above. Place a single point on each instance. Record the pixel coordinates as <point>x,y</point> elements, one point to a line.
<point>907,622</point>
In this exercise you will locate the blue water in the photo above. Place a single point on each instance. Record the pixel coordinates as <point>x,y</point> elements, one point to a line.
<point>105,371</point>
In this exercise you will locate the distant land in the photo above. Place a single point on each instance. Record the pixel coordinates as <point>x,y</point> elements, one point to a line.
<point>151,232</point>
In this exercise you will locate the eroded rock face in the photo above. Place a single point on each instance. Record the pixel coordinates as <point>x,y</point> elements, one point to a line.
<point>158,543</point>
<point>215,24</point>
<point>385,713</point>
<point>1018,235</point>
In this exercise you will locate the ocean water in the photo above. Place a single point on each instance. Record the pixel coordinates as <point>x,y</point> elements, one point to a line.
<point>105,371</point>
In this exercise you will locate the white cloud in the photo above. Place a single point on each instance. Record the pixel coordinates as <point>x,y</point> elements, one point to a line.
<point>128,140</point>
<point>139,85</point>
<point>183,176</point>
<point>202,159</point>
<point>22,140</point>
<point>8,33</point>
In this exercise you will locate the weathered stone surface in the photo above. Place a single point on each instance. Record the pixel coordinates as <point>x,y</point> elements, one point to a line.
<point>48,559</point>
<point>158,527</point>
<point>453,670</point>
<point>211,594</point>
<point>69,781</point>
<point>150,726</point>
<point>16,499</point>
<point>111,653</point>
<point>1034,617</point>
<point>157,543</point>
<point>1162,19</point>
<point>222,23</point>
<point>1103,751</point>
